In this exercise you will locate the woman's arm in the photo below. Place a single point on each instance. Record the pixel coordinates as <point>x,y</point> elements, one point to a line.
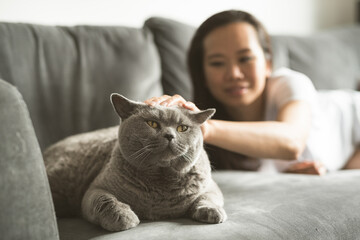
<point>354,161</point>
<point>281,139</point>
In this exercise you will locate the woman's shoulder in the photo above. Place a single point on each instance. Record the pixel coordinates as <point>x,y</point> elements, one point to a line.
<point>289,74</point>
<point>288,78</point>
<point>285,85</point>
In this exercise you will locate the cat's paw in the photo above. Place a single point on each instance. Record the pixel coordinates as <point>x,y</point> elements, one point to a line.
<point>209,214</point>
<point>119,218</point>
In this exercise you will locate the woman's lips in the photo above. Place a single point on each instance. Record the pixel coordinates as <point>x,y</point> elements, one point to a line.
<point>237,91</point>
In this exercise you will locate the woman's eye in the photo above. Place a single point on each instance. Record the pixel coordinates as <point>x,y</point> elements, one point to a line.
<point>245,59</point>
<point>182,128</point>
<point>152,124</point>
<point>216,64</point>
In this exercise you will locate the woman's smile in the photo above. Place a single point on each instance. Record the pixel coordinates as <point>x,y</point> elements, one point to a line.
<point>237,91</point>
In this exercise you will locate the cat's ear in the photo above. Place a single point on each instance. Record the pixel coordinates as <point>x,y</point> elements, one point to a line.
<point>123,106</point>
<point>202,116</point>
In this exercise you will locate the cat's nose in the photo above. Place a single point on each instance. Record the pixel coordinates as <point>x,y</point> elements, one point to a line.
<point>169,136</point>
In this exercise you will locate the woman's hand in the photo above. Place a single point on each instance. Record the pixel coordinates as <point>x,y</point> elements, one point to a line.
<point>168,101</point>
<point>307,167</point>
<point>178,100</point>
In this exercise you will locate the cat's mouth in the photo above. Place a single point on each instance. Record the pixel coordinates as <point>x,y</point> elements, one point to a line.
<point>172,153</point>
<point>177,149</point>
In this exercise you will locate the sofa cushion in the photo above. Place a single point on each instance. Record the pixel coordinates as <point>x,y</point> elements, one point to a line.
<point>172,39</point>
<point>259,206</point>
<point>328,59</point>
<point>27,210</point>
<point>66,74</point>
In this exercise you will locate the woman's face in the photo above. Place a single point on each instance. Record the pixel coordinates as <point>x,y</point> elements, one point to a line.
<point>234,65</point>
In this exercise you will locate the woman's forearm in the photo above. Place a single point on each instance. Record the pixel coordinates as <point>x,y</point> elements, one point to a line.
<point>270,139</point>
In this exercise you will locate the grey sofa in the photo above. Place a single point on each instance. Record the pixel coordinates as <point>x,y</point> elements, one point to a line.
<point>56,82</point>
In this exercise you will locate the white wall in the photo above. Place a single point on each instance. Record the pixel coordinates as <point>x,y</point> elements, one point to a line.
<point>279,16</point>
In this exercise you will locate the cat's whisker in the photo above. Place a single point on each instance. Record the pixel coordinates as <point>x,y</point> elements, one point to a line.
<point>139,155</point>
<point>186,158</point>
<point>141,163</point>
<point>136,155</point>
<point>181,148</point>
<point>140,151</point>
<point>144,158</point>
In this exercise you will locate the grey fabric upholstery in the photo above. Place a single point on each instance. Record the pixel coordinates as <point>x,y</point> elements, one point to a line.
<point>259,206</point>
<point>66,74</point>
<point>172,39</point>
<point>26,206</point>
<point>330,59</point>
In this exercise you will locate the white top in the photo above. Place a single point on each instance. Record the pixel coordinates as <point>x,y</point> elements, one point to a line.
<point>335,129</point>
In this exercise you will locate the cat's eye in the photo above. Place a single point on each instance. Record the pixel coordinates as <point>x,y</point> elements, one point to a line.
<point>182,128</point>
<point>152,124</point>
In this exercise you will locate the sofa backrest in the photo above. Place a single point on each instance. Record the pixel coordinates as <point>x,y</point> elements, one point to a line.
<point>331,59</point>
<point>66,74</point>
<point>172,39</point>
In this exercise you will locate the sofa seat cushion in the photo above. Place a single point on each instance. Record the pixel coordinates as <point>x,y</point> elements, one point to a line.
<point>259,206</point>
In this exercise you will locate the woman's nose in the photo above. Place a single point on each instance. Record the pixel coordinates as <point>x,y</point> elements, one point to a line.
<point>235,72</point>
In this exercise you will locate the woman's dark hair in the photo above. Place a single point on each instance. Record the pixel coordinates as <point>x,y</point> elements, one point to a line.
<point>202,97</point>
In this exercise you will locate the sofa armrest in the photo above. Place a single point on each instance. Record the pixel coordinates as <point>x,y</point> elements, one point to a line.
<point>25,200</point>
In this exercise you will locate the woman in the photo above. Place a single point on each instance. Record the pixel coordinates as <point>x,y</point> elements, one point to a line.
<point>273,118</point>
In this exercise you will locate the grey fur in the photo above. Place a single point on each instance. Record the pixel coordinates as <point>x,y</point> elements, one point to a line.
<point>150,173</point>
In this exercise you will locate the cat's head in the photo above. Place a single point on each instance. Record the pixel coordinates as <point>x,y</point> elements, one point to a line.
<point>153,137</point>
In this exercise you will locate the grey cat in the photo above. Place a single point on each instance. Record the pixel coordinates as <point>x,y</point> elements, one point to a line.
<point>154,168</point>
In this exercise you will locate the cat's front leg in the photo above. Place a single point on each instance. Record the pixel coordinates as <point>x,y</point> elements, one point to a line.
<point>208,207</point>
<point>101,207</point>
